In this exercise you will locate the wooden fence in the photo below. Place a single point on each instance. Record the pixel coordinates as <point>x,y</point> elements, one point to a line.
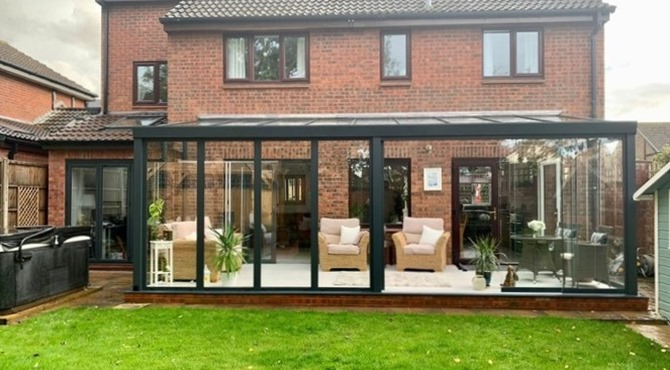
<point>24,194</point>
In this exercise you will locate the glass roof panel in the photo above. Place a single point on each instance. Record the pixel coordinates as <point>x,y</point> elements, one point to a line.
<point>419,121</point>
<point>128,122</point>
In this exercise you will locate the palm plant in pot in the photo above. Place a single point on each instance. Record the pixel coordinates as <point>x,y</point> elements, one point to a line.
<point>229,256</point>
<point>486,258</point>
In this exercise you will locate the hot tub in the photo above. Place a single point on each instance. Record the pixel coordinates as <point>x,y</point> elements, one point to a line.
<point>38,264</point>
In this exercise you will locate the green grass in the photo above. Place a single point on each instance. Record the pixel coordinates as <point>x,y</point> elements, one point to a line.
<point>218,338</point>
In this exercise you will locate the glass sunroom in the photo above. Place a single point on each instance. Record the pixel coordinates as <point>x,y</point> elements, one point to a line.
<point>275,179</point>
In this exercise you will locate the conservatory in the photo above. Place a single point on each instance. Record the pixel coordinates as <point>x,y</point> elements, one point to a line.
<point>552,193</point>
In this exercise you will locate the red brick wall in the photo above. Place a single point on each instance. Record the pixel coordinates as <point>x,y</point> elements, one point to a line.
<point>26,101</point>
<point>22,100</point>
<point>344,72</point>
<point>57,175</point>
<point>135,35</point>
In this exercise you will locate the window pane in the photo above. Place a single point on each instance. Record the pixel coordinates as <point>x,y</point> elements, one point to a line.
<point>162,83</point>
<point>266,58</point>
<point>294,55</point>
<point>395,55</point>
<point>496,54</point>
<point>145,83</point>
<point>527,52</point>
<point>236,58</point>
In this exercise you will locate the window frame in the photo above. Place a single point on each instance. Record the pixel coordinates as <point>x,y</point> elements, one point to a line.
<point>512,32</point>
<point>249,68</point>
<point>156,65</point>
<point>408,55</point>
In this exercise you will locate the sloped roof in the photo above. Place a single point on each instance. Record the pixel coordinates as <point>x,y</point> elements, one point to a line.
<point>77,125</point>
<point>13,57</point>
<point>658,181</point>
<point>19,130</point>
<point>657,134</point>
<point>241,9</point>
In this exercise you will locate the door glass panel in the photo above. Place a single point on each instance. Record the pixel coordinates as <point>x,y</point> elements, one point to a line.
<point>114,213</point>
<point>82,200</point>
<point>478,213</point>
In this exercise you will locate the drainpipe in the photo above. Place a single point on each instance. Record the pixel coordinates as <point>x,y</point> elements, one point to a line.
<point>598,22</point>
<point>105,73</point>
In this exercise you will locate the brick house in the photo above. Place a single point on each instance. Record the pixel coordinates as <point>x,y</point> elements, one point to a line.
<point>281,113</point>
<point>29,92</point>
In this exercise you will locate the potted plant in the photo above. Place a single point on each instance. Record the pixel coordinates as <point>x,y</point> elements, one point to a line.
<point>229,256</point>
<point>155,218</point>
<point>486,259</point>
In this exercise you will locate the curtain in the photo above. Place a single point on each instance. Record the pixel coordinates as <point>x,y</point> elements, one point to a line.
<point>300,58</point>
<point>236,58</point>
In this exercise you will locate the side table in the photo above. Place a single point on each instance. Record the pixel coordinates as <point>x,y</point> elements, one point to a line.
<point>160,249</point>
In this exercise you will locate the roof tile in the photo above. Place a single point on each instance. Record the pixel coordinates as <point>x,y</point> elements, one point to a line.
<point>226,9</point>
<point>15,58</point>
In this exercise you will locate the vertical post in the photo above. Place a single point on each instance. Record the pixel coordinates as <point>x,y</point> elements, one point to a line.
<point>200,216</point>
<point>138,211</point>
<point>376,214</point>
<point>630,250</point>
<point>314,212</point>
<point>258,193</point>
<point>4,164</point>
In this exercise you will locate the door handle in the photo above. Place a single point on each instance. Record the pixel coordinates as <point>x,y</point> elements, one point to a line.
<point>494,213</point>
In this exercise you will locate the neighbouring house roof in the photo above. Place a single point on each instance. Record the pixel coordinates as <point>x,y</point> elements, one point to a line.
<point>14,61</point>
<point>659,180</point>
<point>19,130</point>
<point>657,134</point>
<point>78,125</point>
<point>264,9</point>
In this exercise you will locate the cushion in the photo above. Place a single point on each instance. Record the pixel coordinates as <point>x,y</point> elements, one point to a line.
<point>180,230</point>
<point>332,225</point>
<point>412,227</point>
<point>430,236</point>
<point>422,249</point>
<point>599,238</point>
<point>349,235</point>
<point>343,249</point>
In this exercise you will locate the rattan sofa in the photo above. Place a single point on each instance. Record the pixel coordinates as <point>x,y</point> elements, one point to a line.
<point>412,255</point>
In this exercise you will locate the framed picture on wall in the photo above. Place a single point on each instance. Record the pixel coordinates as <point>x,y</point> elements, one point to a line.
<point>432,179</point>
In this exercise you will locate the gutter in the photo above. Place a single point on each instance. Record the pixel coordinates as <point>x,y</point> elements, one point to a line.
<point>46,82</point>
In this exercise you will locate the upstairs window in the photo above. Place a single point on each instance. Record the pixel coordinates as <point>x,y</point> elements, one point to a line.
<point>150,81</point>
<point>266,58</point>
<point>512,53</point>
<point>395,55</point>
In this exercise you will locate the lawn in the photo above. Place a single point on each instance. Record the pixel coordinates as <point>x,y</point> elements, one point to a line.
<point>219,338</point>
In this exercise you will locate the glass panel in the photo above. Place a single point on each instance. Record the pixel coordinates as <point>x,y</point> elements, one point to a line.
<point>341,197</point>
<point>294,57</point>
<point>496,54</point>
<point>229,179</point>
<point>171,178</point>
<point>395,55</point>
<point>82,200</point>
<point>236,58</point>
<point>527,53</point>
<point>266,58</point>
<point>114,213</point>
<point>145,83</point>
<point>286,215</point>
<point>162,83</point>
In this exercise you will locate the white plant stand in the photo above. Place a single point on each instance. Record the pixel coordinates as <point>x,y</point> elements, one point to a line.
<point>158,249</point>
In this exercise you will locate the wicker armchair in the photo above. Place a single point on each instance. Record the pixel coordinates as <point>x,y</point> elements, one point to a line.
<point>410,254</point>
<point>332,254</point>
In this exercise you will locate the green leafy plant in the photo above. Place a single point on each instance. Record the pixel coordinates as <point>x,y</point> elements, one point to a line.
<point>486,254</point>
<point>229,256</point>
<point>155,218</point>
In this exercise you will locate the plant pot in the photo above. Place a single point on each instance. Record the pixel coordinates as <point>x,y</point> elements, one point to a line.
<point>479,282</point>
<point>487,277</point>
<point>228,280</point>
